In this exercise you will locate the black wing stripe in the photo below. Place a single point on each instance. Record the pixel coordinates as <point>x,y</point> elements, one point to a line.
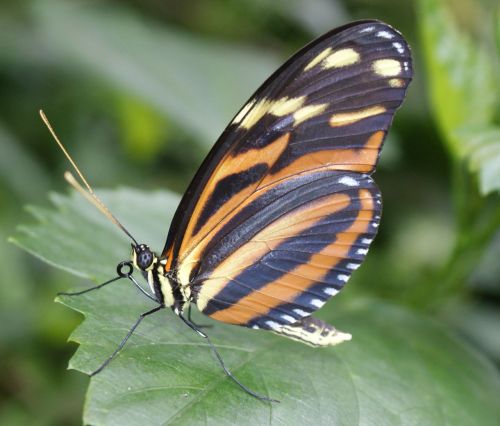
<point>270,268</point>
<point>228,187</point>
<point>268,207</point>
<point>301,306</point>
<point>274,265</point>
<point>346,86</point>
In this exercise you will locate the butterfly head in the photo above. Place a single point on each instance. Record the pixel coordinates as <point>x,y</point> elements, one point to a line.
<point>143,257</point>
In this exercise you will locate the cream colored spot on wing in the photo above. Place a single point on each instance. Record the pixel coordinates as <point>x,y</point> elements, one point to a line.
<point>256,112</point>
<point>396,82</point>
<point>347,118</point>
<point>286,106</point>
<point>341,58</point>
<point>318,58</point>
<point>314,337</point>
<point>243,111</point>
<point>307,112</point>
<point>387,67</point>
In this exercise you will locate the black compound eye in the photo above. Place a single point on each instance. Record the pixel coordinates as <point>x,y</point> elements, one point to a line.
<point>144,259</point>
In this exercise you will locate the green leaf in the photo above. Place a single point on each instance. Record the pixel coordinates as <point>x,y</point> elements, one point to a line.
<point>497,30</point>
<point>460,74</point>
<point>197,82</point>
<point>480,321</point>
<point>14,162</point>
<point>400,368</point>
<point>77,238</point>
<point>481,146</point>
<point>463,91</point>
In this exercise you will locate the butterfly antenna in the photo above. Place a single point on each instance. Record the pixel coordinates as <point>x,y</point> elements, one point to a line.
<point>87,193</point>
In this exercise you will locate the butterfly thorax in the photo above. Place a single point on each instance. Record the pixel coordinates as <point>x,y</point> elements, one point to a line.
<point>164,287</point>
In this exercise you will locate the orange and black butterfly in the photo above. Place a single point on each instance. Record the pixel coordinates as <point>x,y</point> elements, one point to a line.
<point>284,208</point>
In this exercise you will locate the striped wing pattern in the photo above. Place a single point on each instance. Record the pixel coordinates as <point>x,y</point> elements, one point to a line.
<point>307,236</point>
<point>283,208</point>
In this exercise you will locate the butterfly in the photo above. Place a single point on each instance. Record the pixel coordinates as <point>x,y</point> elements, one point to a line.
<point>283,209</point>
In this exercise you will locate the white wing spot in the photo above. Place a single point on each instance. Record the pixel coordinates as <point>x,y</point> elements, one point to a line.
<point>396,82</point>
<point>330,291</point>
<point>348,181</point>
<point>255,327</point>
<point>399,47</point>
<point>348,118</point>
<point>375,225</point>
<point>343,277</point>
<point>405,66</point>
<point>253,112</point>
<point>366,240</point>
<point>362,251</point>
<point>285,106</point>
<point>387,67</point>
<point>367,30</point>
<point>273,325</point>
<point>301,313</point>
<point>307,112</point>
<point>318,303</point>
<point>243,111</point>
<point>341,58</point>
<point>315,61</point>
<point>352,266</point>
<point>385,34</point>
<point>288,318</point>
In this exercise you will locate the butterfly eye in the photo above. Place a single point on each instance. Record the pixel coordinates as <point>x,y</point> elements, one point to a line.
<point>144,257</point>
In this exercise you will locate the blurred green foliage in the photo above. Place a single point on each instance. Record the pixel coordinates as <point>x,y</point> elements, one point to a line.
<point>140,90</point>
<point>395,371</point>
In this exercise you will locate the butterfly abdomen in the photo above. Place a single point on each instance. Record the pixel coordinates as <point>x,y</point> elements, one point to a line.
<point>313,332</point>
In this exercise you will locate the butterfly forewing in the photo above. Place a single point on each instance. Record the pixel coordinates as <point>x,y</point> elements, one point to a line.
<point>283,208</point>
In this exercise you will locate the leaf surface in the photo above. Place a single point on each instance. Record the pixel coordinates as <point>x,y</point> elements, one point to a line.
<point>399,369</point>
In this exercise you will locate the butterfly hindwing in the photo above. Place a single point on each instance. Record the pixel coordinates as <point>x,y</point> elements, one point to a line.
<point>297,158</point>
<point>283,263</point>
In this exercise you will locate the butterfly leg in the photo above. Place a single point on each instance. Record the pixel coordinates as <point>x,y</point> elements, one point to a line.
<point>97,287</point>
<point>122,343</point>
<point>200,326</point>
<point>119,270</point>
<point>221,361</point>
<point>122,273</point>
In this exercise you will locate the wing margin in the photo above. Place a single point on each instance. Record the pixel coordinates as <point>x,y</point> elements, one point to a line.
<point>351,144</point>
